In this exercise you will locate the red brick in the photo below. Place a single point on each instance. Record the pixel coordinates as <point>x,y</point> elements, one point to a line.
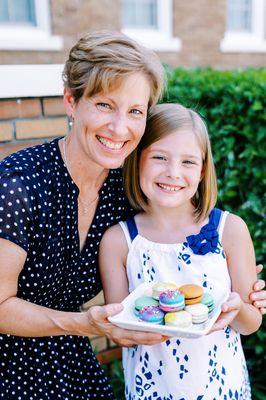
<point>19,108</point>
<point>9,148</point>
<point>38,128</point>
<point>6,131</point>
<point>53,106</point>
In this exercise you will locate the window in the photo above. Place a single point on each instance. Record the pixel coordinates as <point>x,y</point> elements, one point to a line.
<point>239,15</point>
<point>245,26</point>
<point>17,11</point>
<point>25,25</point>
<point>150,22</point>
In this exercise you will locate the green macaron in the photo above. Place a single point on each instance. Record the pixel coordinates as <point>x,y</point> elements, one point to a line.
<point>208,301</point>
<point>144,301</point>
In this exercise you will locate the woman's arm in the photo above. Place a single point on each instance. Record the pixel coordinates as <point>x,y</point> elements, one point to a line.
<point>240,255</point>
<point>22,318</point>
<point>258,295</point>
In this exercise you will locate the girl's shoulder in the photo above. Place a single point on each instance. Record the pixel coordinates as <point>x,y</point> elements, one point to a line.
<point>235,230</point>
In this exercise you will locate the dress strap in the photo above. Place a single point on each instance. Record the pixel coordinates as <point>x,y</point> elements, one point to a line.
<point>215,217</point>
<point>130,230</point>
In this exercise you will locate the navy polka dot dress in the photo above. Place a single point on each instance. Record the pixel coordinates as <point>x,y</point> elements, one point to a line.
<point>38,211</point>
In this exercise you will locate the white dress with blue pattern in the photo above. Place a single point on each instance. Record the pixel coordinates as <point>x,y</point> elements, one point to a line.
<point>211,367</point>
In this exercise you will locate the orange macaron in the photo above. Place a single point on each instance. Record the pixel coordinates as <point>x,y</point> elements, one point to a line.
<point>193,293</point>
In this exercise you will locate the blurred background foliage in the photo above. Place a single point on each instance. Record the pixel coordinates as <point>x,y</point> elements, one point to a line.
<point>233,104</point>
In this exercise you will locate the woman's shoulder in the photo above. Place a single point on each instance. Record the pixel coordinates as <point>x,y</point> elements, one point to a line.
<point>29,159</point>
<point>27,171</point>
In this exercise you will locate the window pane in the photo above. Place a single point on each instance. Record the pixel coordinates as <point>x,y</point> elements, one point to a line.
<point>17,11</point>
<point>139,13</point>
<point>239,15</point>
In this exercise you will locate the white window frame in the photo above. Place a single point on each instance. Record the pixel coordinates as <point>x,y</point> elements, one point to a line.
<point>32,80</point>
<point>248,42</point>
<point>39,37</point>
<point>160,39</point>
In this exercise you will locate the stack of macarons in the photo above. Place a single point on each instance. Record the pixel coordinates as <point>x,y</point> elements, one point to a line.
<point>179,307</point>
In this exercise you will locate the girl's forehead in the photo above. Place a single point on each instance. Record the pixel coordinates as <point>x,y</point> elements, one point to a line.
<point>178,138</point>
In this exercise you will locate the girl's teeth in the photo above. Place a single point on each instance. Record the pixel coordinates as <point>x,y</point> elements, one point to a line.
<point>170,188</point>
<point>110,145</point>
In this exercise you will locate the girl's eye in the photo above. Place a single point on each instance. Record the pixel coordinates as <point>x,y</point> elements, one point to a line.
<point>189,162</point>
<point>162,158</point>
<point>104,105</point>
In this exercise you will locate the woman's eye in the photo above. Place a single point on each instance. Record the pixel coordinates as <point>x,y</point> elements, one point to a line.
<point>135,111</point>
<point>104,105</point>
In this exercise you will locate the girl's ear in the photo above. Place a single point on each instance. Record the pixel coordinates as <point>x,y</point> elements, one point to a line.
<point>68,102</point>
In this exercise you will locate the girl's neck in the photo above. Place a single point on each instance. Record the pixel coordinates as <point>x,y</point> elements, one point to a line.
<point>171,225</point>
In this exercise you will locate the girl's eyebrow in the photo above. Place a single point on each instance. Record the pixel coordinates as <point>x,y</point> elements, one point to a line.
<point>159,150</point>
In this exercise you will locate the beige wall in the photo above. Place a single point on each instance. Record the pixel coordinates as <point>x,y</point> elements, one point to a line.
<point>200,25</point>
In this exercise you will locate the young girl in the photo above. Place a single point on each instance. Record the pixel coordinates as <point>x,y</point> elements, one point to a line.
<point>179,236</point>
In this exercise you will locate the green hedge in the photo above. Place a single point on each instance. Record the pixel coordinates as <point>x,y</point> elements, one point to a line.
<point>233,104</point>
<point>234,107</point>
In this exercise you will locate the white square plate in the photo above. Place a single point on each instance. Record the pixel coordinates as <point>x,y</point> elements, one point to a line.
<point>128,320</point>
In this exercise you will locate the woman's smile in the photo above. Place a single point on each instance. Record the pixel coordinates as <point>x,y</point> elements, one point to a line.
<point>110,144</point>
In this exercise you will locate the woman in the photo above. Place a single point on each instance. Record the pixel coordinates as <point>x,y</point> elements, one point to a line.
<point>56,201</point>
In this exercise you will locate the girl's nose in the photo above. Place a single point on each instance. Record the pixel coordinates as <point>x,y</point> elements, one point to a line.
<point>173,170</point>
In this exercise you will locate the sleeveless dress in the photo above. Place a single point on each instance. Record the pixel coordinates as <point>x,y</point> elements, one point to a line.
<point>39,212</point>
<point>211,367</point>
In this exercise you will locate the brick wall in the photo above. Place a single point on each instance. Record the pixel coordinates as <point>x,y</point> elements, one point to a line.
<point>200,24</point>
<point>26,122</point>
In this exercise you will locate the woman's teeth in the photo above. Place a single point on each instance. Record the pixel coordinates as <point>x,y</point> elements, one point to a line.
<point>110,145</point>
<point>170,188</point>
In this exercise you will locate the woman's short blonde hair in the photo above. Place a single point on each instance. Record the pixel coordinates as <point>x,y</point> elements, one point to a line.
<point>164,119</point>
<point>99,61</point>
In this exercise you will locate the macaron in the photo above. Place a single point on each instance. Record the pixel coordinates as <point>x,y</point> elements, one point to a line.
<point>144,301</point>
<point>152,314</point>
<point>199,313</point>
<point>193,293</point>
<point>160,287</point>
<point>208,300</point>
<point>171,301</point>
<point>180,319</point>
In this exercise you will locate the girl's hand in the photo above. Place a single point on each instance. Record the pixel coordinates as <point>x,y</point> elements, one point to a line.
<point>230,309</point>
<point>258,297</point>
<point>97,318</point>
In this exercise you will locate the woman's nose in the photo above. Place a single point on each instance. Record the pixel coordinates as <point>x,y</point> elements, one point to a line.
<point>119,125</point>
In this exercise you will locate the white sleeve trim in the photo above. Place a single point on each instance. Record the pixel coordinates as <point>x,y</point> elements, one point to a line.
<point>124,228</point>
<point>222,223</point>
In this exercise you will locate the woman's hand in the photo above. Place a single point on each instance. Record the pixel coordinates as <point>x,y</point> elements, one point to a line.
<point>230,309</point>
<point>258,296</point>
<point>99,324</point>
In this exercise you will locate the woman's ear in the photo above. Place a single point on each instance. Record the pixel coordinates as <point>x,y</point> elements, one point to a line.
<point>69,102</point>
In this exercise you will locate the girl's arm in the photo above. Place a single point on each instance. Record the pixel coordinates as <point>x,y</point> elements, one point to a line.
<point>23,318</point>
<point>112,263</point>
<point>240,255</point>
